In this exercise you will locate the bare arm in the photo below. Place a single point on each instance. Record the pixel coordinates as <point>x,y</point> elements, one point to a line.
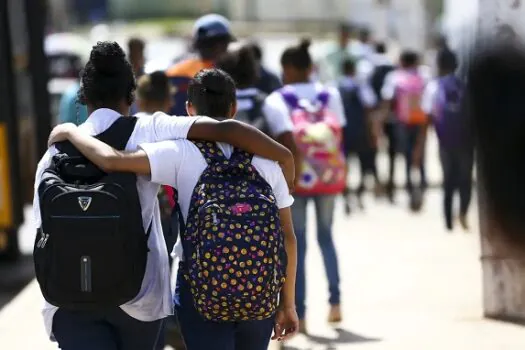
<point>286,139</point>
<point>290,242</point>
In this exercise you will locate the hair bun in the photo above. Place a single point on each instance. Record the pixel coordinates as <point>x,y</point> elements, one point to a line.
<point>158,78</point>
<point>305,44</point>
<point>107,58</point>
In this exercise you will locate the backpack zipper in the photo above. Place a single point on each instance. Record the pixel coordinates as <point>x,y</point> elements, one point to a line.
<point>43,240</point>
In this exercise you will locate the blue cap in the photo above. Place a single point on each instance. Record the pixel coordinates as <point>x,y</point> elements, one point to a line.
<point>212,26</point>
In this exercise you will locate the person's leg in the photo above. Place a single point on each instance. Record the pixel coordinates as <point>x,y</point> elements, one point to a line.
<point>410,141</point>
<point>465,166</point>
<point>198,333</point>
<point>447,165</point>
<point>299,222</point>
<point>363,166</point>
<point>83,331</point>
<point>253,335</point>
<point>391,135</point>
<point>324,208</point>
<point>133,334</point>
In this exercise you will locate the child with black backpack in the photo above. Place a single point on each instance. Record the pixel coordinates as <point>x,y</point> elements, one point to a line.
<point>238,255</point>
<point>100,256</point>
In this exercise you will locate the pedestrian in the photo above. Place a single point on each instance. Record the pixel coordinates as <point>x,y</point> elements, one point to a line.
<point>314,115</point>
<point>71,110</point>
<point>267,81</point>
<point>242,66</point>
<point>154,94</point>
<point>330,65</point>
<point>136,57</point>
<point>238,252</point>
<point>107,88</point>
<point>211,38</point>
<point>443,103</point>
<point>360,137</point>
<point>382,67</point>
<point>403,89</point>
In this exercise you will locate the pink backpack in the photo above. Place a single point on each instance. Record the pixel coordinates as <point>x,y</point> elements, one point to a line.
<point>318,135</point>
<point>408,98</point>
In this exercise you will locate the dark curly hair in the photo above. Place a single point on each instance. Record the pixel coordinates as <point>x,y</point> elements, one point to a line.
<point>107,78</point>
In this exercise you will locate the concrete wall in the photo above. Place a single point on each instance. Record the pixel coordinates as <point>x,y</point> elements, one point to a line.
<point>503,267</point>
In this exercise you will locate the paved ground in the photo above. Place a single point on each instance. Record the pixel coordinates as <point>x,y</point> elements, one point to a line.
<point>406,285</point>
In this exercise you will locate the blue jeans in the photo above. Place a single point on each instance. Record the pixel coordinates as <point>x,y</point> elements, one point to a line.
<point>201,334</point>
<point>409,136</point>
<point>324,209</point>
<point>105,330</point>
<point>457,167</point>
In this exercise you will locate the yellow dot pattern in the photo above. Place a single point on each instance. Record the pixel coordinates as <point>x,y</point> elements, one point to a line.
<point>235,261</point>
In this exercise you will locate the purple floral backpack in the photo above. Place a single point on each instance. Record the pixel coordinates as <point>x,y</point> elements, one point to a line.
<point>235,260</point>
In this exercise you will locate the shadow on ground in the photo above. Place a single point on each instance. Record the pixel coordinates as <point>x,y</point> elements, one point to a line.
<point>14,276</point>
<point>343,337</point>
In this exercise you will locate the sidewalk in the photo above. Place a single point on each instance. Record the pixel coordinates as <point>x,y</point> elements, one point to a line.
<point>406,284</point>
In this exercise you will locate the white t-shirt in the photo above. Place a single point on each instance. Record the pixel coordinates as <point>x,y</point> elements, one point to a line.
<point>277,111</point>
<point>180,163</point>
<point>154,300</point>
<point>428,99</point>
<point>392,80</point>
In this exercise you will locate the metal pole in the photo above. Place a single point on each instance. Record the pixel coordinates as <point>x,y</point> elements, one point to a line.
<point>11,196</point>
<point>36,16</point>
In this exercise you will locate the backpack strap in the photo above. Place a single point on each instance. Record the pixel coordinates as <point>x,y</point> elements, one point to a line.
<point>118,134</point>
<point>290,98</point>
<point>210,151</point>
<point>323,97</point>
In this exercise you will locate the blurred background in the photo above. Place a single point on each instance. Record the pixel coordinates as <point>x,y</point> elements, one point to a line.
<point>45,43</point>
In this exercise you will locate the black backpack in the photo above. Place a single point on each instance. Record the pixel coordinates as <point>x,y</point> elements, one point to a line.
<point>378,78</point>
<point>91,251</point>
<point>254,115</point>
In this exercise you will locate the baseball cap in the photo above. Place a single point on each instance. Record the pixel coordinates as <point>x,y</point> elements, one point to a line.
<point>212,26</point>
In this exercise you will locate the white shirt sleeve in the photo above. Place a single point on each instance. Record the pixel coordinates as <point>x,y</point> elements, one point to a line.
<point>165,160</point>
<point>277,115</point>
<point>335,104</point>
<point>367,95</point>
<point>164,127</point>
<point>273,174</point>
<point>44,163</point>
<point>429,97</point>
<point>389,87</point>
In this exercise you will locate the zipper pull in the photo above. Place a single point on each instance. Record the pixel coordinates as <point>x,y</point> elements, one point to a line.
<point>215,219</point>
<point>45,241</point>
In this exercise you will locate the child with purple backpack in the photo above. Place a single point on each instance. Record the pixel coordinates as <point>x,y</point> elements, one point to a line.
<point>443,102</point>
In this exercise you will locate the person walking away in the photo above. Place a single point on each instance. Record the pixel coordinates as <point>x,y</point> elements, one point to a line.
<point>314,114</point>
<point>360,140</point>
<point>125,289</point>
<point>383,66</point>
<point>267,81</point>
<point>443,103</point>
<point>238,249</point>
<point>404,88</point>
<point>330,66</point>
<point>211,38</point>
<point>242,66</point>
<point>136,47</point>
<point>154,93</point>
<point>71,110</point>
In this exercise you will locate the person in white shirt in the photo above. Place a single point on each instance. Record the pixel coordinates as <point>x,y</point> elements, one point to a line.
<point>180,164</point>
<point>360,132</point>
<point>297,66</point>
<point>408,132</point>
<point>108,86</point>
